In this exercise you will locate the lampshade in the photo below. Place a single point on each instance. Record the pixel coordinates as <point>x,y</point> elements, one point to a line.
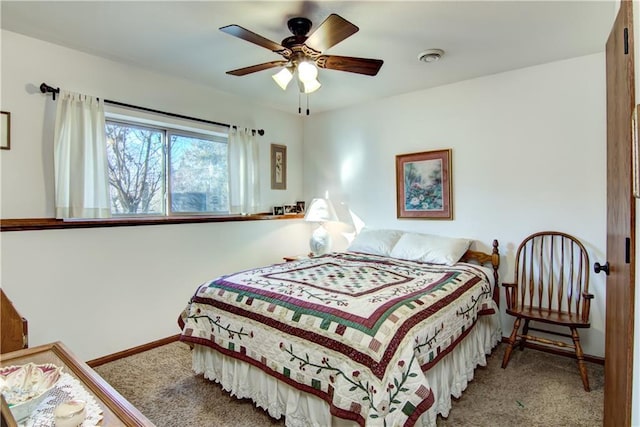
<point>283,77</point>
<point>321,210</point>
<point>307,76</point>
<point>309,86</point>
<point>307,71</point>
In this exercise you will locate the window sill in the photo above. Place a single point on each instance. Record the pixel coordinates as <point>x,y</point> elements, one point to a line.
<point>26,224</point>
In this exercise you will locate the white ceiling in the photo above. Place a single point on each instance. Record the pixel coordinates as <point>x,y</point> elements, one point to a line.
<point>182,39</point>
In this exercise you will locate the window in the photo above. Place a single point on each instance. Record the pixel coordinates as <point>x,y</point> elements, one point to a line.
<point>157,170</point>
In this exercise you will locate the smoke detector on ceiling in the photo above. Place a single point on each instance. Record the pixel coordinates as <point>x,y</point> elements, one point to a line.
<point>431,55</point>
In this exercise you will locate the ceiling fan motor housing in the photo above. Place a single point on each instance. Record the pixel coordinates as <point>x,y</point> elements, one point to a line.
<point>292,41</point>
<point>299,26</point>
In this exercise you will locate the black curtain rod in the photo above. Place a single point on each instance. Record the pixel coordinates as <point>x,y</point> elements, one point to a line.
<point>45,88</point>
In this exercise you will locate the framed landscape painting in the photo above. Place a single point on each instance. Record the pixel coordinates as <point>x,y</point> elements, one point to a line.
<point>423,185</point>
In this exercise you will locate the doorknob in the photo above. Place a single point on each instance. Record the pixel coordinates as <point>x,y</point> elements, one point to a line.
<point>598,268</point>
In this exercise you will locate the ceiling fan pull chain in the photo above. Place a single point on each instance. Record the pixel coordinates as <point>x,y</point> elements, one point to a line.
<point>299,107</point>
<point>307,104</point>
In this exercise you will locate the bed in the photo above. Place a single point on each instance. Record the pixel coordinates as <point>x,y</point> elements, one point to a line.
<point>373,336</point>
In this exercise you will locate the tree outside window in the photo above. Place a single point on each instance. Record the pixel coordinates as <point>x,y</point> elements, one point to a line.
<point>162,171</point>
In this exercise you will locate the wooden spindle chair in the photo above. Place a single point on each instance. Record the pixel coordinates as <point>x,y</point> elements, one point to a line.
<point>551,286</point>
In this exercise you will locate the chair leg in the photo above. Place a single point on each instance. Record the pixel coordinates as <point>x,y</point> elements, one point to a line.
<point>580,357</point>
<point>512,340</point>
<point>525,331</point>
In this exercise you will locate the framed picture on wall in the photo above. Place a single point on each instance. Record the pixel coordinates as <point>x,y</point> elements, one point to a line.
<point>5,130</point>
<point>423,185</point>
<point>278,167</point>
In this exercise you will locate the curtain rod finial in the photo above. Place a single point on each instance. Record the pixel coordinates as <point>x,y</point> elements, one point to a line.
<point>44,88</point>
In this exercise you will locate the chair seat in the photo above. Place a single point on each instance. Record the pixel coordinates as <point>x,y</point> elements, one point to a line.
<point>548,316</point>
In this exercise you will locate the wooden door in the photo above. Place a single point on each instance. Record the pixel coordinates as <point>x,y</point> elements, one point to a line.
<point>620,221</point>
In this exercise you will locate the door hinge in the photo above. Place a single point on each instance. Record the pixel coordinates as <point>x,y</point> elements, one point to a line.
<point>627,250</point>
<point>626,41</point>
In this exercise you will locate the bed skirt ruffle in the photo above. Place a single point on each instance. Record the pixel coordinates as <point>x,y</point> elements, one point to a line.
<point>447,378</point>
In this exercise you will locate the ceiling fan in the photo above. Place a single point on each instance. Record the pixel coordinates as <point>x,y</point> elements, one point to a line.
<point>302,53</point>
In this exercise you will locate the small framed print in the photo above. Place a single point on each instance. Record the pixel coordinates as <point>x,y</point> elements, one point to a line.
<point>290,209</point>
<point>5,130</point>
<point>278,210</point>
<point>278,167</point>
<point>300,207</point>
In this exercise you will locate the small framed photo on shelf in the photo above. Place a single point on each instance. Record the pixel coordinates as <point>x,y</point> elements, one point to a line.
<point>290,209</point>
<point>300,206</point>
<point>278,210</point>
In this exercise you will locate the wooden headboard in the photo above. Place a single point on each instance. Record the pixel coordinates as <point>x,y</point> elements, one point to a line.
<point>483,258</point>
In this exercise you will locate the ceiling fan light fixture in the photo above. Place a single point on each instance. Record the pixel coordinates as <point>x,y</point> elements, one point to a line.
<point>302,53</point>
<point>431,55</point>
<point>307,71</point>
<point>283,77</point>
<point>310,86</point>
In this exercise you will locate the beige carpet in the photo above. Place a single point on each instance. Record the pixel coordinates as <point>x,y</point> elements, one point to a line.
<point>537,389</point>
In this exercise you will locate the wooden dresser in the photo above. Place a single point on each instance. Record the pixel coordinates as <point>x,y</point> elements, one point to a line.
<point>13,326</point>
<point>116,410</point>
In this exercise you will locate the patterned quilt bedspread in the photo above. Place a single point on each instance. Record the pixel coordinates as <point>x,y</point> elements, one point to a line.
<point>355,330</point>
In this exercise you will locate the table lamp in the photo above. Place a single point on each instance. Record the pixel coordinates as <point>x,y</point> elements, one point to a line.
<point>320,211</point>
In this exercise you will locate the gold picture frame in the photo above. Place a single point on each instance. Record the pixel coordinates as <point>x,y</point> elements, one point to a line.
<point>423,185</point>
<point>278,167</point>
<point>5,130</point>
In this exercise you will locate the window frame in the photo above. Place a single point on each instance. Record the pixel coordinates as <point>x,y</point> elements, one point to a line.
<point>167,129</point>
<point>168,193</point>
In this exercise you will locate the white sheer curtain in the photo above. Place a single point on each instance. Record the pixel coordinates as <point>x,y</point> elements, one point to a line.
<point>244,172</point>
<point>80,158</point>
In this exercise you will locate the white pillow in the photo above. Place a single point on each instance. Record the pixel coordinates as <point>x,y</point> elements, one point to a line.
<point>430,248</point>
<point>375,242</point>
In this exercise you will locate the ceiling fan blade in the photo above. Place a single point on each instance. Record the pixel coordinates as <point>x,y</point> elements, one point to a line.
<point>250,36</point>
<point>367,66</point>
<point>259,67</point>
<point>332,31</point>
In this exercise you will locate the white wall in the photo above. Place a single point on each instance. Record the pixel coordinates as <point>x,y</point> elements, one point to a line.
<point>27,62</point>
<point>528,154</point>
<point>108,289</point>
<point>528,150</point>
